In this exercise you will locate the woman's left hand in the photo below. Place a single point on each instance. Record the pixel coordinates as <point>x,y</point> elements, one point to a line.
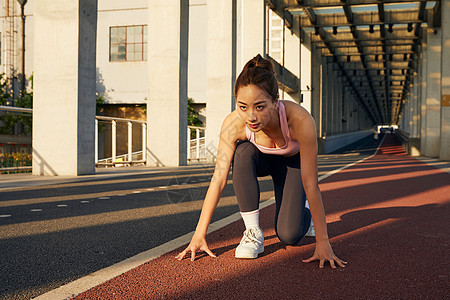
<point>323,253</point>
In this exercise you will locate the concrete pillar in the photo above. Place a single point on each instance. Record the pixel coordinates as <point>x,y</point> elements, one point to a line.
<point>220,69</point>
<point>325,98</point>
<point>168,23</point>
<point>250,30</point>
<point>292,59</point>
<point>338,104</point>
<point>64,87</point>
<point>433,101</point>
<point>316,93</point>
<point>445,101</point>
<point>305,77</point>
<point>423,94</point>
<point>416,108</point>
<point>330,97</point>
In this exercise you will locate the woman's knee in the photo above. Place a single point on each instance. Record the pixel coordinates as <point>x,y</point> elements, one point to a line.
<point>244,152</point>
<point>290,237</point>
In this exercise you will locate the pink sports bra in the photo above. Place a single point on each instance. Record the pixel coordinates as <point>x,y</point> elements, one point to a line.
<point>291,146</point>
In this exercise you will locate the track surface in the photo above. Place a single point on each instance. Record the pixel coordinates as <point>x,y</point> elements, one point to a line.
<point>387,216</point>
<point>54,230</point>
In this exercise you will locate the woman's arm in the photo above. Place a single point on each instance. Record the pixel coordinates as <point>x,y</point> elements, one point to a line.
<point>231,131</point>
<point>304,131</point>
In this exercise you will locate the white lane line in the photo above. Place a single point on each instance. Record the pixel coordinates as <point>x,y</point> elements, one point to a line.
<point>162,187</point>
<point>150,189</point>
<point>62,205</point>
<point>104,198</point>
<point>5,216</point>
<point>36,209</point>
<point>83,284</point>
<point>85,201</point>
<point>137,192</point>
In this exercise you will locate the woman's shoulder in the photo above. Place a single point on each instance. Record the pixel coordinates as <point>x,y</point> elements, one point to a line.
<point>294,111</point>
<point>233,127</point>
<point>298,118</point>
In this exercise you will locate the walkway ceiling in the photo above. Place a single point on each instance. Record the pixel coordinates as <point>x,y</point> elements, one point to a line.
<point>375,45</point>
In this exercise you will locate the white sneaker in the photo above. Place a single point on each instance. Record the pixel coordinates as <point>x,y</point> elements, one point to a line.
<point>252,243</point>
<point>311,231</point>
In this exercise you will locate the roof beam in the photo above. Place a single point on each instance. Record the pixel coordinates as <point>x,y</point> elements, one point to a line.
<point>362,18</point>
<point>294,5</point>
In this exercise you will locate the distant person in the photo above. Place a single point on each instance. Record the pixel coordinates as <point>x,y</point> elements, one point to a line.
<point>375,136</point>
<point>391,130</point>
<point>264,136</point>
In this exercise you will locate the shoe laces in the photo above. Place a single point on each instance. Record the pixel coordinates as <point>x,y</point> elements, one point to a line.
<point>250,236</point>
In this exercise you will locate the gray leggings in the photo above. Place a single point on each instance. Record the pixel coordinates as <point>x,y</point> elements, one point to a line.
<point>292,219</point>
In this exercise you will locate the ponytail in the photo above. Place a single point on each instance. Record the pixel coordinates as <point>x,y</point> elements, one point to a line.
<point>259,72</point>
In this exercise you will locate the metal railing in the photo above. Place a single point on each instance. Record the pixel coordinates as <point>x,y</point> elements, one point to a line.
<point>131,157</point>
<point>15,162</point>
<point>196,144</point>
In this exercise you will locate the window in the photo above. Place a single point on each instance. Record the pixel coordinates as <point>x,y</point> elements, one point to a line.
<point>128,43</point>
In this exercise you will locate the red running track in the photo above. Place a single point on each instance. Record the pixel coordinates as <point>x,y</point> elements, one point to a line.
<point>387,216</point>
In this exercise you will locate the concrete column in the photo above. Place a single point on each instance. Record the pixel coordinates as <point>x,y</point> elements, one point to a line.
<point>325,98</point>
<point>168,23</point>
<point>220,69</point>
<point>416,109</point>
<point>423,94</point>
<point>330,97</point>
<point>445,101</point>
<point>305,77</point>
<point>250,30</point>
<point>433,101</point>
<point>338,105</point>
<point>64,87</point>
<point>292,59</point>
<point>316,93</point>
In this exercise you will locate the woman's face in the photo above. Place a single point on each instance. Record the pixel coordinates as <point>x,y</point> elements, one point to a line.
<point>255,107</point>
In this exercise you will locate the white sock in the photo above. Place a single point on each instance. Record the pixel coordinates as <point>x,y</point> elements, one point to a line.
<point>306,204</point>
<point>251,218</point>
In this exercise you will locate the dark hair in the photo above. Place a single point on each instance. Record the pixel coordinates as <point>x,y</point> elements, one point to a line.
<point>260,72</point>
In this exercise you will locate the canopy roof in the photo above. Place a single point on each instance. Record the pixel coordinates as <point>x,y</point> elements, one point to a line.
<point>375,45</point>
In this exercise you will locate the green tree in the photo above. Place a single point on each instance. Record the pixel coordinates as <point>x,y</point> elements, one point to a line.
<point>9,120</point>
<point>193,116</point>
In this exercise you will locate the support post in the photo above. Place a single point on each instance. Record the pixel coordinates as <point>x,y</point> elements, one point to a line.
<point>445,85</point>
<point>130,141</point>
<point>113,140</point>
<point>64,87</point>
<point>96,141</point>
<point>220,70</point>
<point>168,25</point>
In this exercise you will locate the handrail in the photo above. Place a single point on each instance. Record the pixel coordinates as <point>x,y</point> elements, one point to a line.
<point>16,109</point>
<point>114,121</point>
<point>196,146</point>
<point>119,119</point>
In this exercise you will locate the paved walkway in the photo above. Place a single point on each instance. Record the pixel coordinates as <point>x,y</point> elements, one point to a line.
<point>387,216</point>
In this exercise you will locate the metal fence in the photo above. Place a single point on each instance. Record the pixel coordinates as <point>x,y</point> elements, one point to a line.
<point>195,144</point>
<point>131,158</point>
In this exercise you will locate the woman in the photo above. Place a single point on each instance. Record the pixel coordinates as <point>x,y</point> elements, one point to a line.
<point>266,136</point>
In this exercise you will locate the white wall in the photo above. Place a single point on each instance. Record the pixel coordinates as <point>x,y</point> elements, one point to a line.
<point>123,81</point>
<point>197,51</point>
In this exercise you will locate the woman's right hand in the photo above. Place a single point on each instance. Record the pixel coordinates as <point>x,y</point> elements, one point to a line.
<point>196,244</point>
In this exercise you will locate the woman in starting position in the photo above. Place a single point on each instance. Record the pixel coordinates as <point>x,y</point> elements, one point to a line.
<point>267,136</point>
